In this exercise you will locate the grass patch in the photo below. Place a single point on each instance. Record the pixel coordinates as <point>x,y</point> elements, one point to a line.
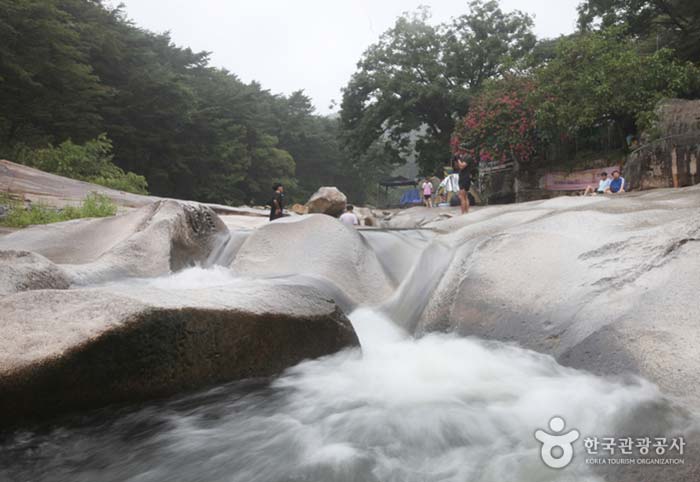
<point>18,216</point>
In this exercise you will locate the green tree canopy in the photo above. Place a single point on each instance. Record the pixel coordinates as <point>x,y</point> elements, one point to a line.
<point>73,69</point>
<point>673,24</point>
<point>412,85</point>
<point>603,77</point>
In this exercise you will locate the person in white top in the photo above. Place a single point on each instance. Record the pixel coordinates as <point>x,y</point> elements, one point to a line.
<point>603,185</point>
<point>450,186</point>
<point>348,217</point>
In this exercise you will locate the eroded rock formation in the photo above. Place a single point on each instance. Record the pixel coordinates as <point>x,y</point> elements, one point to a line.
<point>24,271</point>
<point>321,247</point>
<point>78,349</point>
<point>607,284</point>
<point>154,240</point>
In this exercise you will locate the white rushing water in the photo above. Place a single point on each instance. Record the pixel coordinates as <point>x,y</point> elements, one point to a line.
<point>191,278</point>
<point>438,408</point>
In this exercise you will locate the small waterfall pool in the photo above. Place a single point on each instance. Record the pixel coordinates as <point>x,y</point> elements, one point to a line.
<point>438,408</point>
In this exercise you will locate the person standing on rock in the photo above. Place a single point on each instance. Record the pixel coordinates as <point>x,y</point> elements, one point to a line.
<point>465,183</point>
<point>277,204</point>
<point>427,193</point>
<point>349,218</point>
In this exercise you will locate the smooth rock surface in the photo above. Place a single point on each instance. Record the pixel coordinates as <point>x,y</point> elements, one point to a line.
<point>418,217</point>
<point>39,186</point>
<point>327,200</point>
<point>76,349</point>
<point>320,247</point>
<point>156,239</point>
<point>24,271</point>
<point>609,284</point>
<point>35,185</point>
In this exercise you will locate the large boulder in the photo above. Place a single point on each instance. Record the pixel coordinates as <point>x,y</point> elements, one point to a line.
<point>68,350</point>
<point>159,238</point>
<point>327,200</point>
<point>320,248</point>
<point>23,271</point>
<point>605,284</point>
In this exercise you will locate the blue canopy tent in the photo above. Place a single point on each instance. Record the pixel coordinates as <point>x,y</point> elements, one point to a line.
<point>408,197</point>
<point>412,196</point>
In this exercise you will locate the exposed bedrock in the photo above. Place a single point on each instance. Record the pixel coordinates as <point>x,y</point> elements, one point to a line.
<point>319,250</point>
<point>606,284</point>
<point>76,349</point>
<point>151,241</point>
<point>24,271</point>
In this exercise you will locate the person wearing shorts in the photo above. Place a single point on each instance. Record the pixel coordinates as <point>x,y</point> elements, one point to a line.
<point>465,183</point>
<point>427,193</point>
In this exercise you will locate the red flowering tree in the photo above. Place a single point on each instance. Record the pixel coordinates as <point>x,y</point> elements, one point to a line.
<point>499,125</point>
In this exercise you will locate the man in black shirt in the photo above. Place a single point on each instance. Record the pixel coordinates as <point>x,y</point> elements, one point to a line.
<point>277,204</point>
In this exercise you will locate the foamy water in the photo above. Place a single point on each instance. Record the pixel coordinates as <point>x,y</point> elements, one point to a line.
<point>438,408</point>
<point>191,278</point>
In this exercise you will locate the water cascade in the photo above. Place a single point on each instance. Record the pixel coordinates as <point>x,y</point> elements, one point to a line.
<point>435,408</point>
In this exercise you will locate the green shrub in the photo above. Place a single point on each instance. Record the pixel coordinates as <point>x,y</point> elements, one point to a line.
<point>91,162</point>
<point>93,206</point>
<point>128,182</point>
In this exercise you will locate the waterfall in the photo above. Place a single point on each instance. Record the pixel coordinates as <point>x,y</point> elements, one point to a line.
<point>227,248</point>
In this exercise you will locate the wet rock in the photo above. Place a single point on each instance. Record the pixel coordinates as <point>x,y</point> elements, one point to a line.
<point>319,247</point>
<point>327,200</point>
<point>23,271</point>
<point>151,241</point>
<point>70,350</point>
<point>609,285</point>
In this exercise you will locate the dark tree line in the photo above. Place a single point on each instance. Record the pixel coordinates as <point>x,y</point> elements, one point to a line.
<point>74,69</point>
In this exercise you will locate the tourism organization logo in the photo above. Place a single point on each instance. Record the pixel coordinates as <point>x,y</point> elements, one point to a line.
<point>557,448</point>
<point>562,442</point>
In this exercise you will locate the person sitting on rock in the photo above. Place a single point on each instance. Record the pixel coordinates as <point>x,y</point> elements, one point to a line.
<point>617,185</point>
<point>603,185</point>
<point>349,218</point>
<point>277,203</point>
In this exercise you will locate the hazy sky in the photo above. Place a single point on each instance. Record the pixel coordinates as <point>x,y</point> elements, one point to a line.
<point>313,45</point>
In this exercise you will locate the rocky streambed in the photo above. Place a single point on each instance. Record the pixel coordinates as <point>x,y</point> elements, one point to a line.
<point>162,345</point>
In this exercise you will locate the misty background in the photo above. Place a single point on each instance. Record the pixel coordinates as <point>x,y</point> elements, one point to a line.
<point>312,45</point>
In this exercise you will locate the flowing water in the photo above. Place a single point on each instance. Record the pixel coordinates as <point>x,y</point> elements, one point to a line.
<point>437,408</point>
